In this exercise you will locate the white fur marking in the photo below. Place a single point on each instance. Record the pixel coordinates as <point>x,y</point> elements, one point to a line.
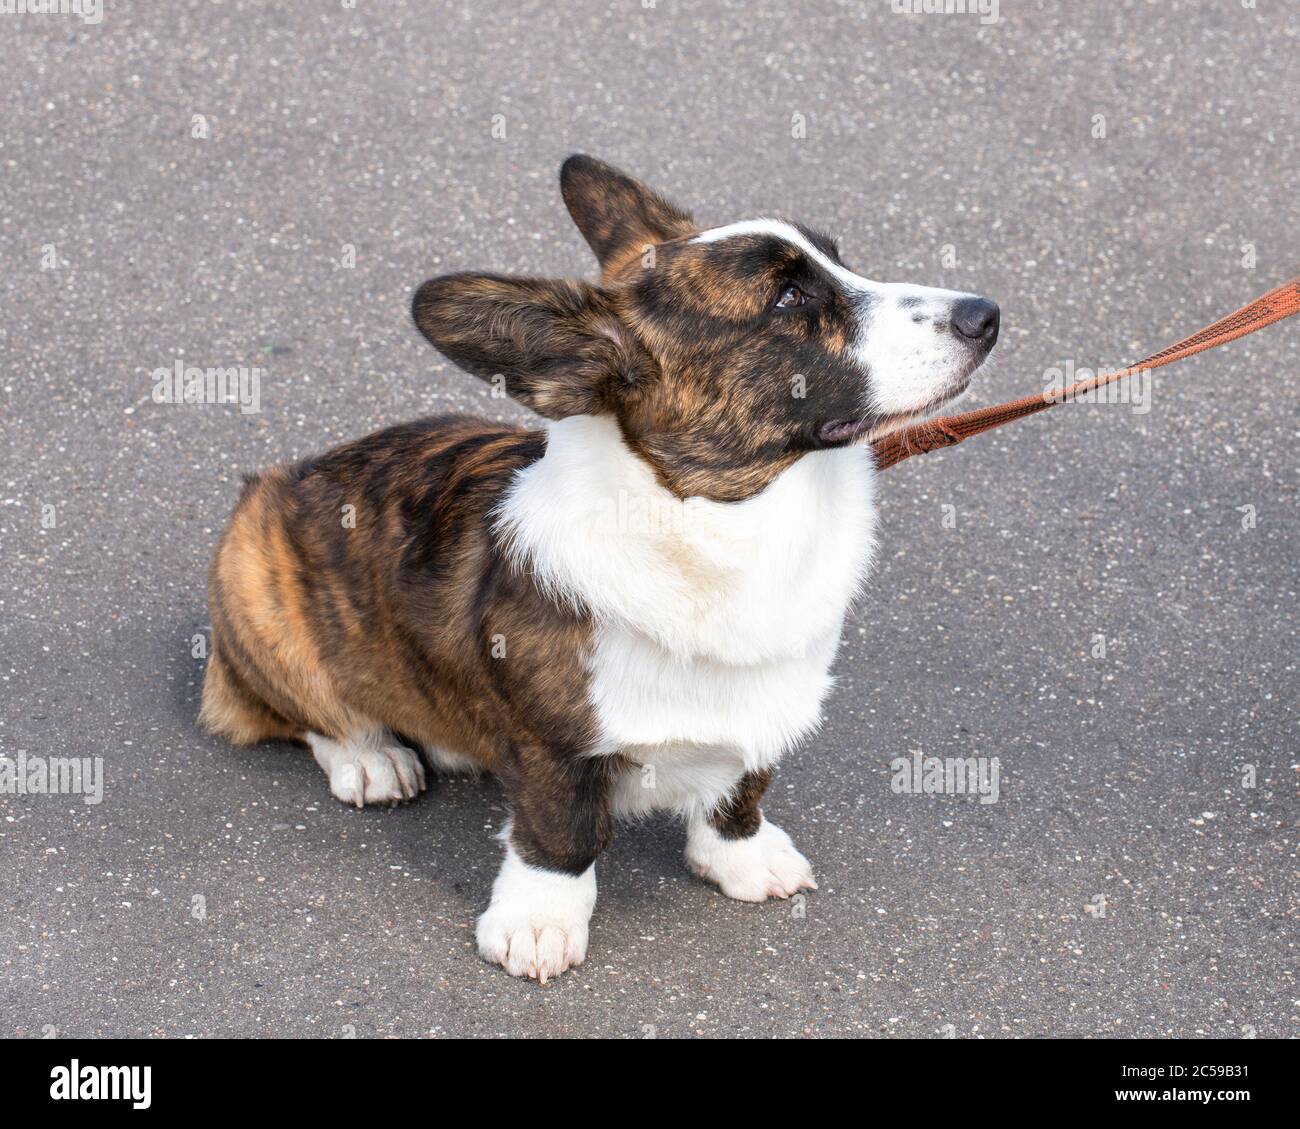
<point>688,779</point>
<point>716,622</point>
<point>738,582</point>
<point>444,760</point>
<point>536,924</point>
<point>368,768</point>
<point>751,870</point>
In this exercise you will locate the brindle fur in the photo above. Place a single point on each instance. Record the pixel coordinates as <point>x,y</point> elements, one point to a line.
<point>678,343</point>
<point>413,617</point>
<point>738,817</point>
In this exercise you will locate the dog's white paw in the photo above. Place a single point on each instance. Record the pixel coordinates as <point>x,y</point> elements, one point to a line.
<point>536,925</point>
<point>369,770</point>
<point>766,865</point>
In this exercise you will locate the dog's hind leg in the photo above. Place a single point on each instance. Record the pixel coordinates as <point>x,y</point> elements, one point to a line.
<point>232,710</point>
<point>369,766</point>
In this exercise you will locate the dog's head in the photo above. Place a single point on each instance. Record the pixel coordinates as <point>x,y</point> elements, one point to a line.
<point>724,353</point>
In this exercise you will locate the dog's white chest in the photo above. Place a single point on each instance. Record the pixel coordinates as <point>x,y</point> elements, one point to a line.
<point>716,623</point>
<point>692,726</point>
<point>654,704</point>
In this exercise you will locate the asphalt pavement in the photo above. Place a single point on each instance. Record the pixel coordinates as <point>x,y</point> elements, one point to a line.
<point>1103,598</point>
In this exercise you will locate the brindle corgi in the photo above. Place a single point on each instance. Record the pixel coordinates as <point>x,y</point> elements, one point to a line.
<point>634,608</point>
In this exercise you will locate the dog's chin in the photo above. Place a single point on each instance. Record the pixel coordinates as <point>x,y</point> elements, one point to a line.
<point>869,428</point>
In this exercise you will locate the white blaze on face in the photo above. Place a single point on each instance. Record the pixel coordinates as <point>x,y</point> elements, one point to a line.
<point>905,340</point>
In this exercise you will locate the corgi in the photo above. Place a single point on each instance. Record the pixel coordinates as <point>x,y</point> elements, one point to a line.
<point>634,608</point>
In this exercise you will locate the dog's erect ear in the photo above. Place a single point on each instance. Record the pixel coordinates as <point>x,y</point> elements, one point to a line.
<point>557,347</point>
<point>617,215</point>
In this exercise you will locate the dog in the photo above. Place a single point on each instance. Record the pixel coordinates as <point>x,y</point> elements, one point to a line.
<point>633,609</point>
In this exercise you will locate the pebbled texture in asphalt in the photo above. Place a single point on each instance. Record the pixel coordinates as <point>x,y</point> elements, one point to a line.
<point>1114,175</point>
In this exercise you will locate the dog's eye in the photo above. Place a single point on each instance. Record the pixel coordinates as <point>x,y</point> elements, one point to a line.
<point>791,296</point>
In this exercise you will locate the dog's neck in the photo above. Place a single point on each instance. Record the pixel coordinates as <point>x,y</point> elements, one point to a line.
<point>736,582</point>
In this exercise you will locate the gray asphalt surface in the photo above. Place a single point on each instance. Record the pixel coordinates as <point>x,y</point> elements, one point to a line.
<point>371,128</point>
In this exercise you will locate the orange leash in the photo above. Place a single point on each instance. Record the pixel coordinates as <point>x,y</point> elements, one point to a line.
<point>947,430</point>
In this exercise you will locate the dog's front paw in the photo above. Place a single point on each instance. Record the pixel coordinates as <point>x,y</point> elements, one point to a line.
<point>766,865</point>
<point>536,925</point>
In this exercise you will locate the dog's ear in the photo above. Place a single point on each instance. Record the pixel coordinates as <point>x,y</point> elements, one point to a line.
<point>618,216</point>
<point>557,347</point>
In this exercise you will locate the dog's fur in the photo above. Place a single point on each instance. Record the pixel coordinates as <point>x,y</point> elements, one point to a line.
<point>634,609</point>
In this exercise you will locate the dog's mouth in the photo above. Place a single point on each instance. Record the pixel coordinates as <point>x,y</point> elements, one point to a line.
<point>840,432</point>
<point>833,431</point>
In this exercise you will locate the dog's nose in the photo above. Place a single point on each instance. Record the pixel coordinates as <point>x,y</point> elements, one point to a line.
<point>977,318</point>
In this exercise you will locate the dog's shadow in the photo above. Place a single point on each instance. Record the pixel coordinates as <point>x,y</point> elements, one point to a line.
<point>463,855</point>
<point>446,837</point>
